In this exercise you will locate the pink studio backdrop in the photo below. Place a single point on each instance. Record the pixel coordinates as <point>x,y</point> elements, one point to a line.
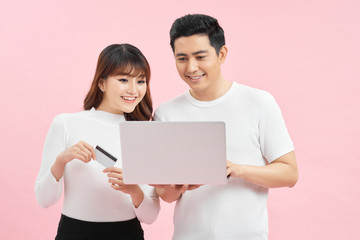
<point>306,53</point>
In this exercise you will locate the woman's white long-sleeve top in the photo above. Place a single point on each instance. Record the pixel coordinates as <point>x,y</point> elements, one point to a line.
<point>87,194</point>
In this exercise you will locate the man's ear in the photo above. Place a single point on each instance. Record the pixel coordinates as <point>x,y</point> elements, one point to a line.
<point>223,53</point>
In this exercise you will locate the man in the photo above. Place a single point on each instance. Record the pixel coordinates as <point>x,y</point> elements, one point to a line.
<point>260,152</point>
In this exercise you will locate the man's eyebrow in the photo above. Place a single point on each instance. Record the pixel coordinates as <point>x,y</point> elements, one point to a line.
<point>200,52</point>
<point>194,53</point>
<point>181,55</point>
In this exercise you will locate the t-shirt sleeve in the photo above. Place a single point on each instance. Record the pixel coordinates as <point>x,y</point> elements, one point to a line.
<point>157,115</point>
<point>149,208</point>
<point>274,137</point>
<point>47,189</point>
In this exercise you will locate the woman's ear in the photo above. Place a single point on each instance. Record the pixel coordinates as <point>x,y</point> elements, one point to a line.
<point>101,85</point>
<point>222,54</point>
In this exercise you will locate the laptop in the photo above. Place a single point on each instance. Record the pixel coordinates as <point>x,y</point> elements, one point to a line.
<point>173,152</point>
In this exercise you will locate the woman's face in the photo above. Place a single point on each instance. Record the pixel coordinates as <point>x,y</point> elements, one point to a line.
<point>122,93</point>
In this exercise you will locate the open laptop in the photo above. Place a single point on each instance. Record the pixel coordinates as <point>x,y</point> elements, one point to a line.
<point>173,152</point>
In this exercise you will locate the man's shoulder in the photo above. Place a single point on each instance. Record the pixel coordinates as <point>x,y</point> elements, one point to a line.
<point>174,102</point>
<point>252,93</point>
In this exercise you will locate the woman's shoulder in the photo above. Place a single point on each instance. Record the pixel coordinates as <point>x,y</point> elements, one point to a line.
<point>70,117</point>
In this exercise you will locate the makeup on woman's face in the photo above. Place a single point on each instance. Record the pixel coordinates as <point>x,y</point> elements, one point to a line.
<point>122,93</point>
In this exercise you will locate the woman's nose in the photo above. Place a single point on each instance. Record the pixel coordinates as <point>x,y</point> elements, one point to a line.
<point>132,88</point>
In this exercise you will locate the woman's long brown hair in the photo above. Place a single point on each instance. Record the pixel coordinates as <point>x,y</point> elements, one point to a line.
<point>124,59</point>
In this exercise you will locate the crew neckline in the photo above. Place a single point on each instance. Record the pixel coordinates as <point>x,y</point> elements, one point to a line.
<point>107,115</point>
<point>199,103</point>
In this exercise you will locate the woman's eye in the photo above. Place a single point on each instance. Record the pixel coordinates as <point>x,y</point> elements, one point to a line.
<point>123,80</point>
<point>141,81</point>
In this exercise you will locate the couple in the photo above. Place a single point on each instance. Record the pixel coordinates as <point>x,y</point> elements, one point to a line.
<point>98,205</point>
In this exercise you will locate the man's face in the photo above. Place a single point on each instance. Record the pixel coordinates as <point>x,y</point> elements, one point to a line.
<point>197,62</point>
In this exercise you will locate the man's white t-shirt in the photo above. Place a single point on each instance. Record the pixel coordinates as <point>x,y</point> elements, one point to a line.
<point>255,134</point>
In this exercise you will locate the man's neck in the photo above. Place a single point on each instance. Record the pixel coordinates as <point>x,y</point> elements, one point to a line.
<point>213,92</point>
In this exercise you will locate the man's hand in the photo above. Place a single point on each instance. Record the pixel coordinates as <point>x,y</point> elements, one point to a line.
<point>282,172</point>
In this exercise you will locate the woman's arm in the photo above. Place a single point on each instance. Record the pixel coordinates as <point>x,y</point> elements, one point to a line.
<point>48,185</point>
<point>81,150</point>
<point>48,189</point>
<point>145,200</point>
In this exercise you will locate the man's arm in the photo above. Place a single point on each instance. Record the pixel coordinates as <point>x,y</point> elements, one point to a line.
<point>282,172</point>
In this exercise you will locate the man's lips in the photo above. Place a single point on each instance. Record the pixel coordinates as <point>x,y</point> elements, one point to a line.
<point>195,78</point>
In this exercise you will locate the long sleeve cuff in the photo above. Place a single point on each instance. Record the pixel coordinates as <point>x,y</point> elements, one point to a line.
<point>149,209</point>
<point>48,190</point>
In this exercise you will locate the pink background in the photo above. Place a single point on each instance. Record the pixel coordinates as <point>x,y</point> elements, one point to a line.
<point>306,53</point>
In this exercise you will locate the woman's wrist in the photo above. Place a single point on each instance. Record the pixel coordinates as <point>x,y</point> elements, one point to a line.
<point>137,197</point>
<point>58,168</point>
<point>168,194</point>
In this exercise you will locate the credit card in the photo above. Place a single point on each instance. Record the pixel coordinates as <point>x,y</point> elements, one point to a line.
<point>104,158</point>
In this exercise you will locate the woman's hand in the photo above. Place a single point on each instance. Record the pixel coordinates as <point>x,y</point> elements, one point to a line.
<point>115,175</point>
<point>173,192</point>
<point>81,150</point>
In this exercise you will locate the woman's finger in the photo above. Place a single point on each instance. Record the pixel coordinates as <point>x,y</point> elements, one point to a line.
<point>113,169</point>
<point>116,181</point>
<point>115,175</point>
<point>90,149</point>
<point>117,187</point>
<point>79,156</point>
<point>78,150</point>
<point>86,151</point>
<point>85,154</point>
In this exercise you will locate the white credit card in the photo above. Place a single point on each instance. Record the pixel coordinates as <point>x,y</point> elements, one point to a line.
<point>104,158</point>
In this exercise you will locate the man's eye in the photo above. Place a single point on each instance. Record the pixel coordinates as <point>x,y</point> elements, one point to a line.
<point>201,57</point>
<point>181,59</point>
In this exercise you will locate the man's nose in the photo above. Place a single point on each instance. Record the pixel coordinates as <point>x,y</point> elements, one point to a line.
<point>192,66</point>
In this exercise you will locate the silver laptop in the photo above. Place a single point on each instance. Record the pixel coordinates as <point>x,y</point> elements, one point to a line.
<point>173,152</point>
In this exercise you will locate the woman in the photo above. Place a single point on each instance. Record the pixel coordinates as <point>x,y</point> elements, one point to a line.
<point>92,209</point>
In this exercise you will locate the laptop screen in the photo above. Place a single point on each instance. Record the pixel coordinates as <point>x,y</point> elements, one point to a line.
<point>173,152</point>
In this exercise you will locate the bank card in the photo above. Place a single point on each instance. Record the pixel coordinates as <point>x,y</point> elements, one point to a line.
<point>104,158</point>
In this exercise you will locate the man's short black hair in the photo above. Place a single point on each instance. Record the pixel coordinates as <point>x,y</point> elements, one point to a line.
<point>192,24</point>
